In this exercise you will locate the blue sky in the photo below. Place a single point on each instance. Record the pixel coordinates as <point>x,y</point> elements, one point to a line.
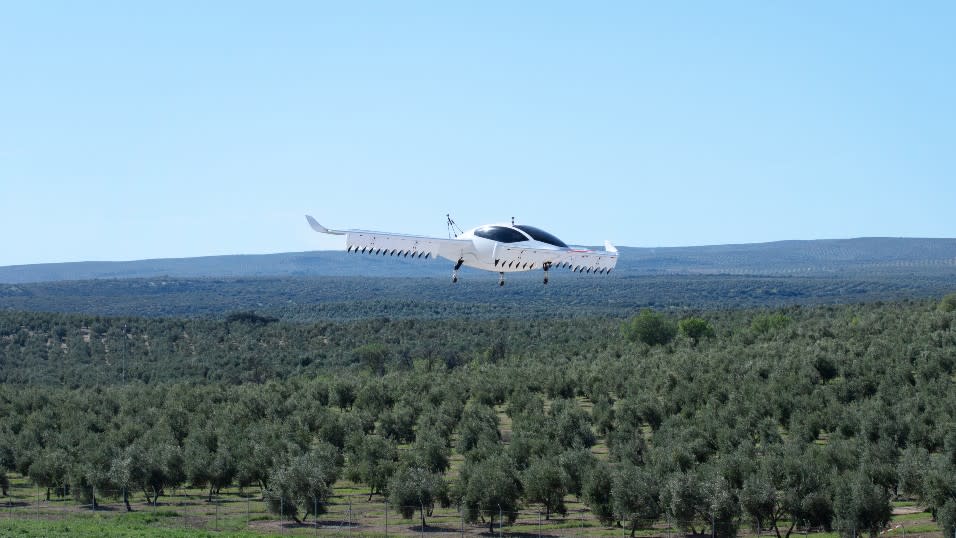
<point>134,130</point>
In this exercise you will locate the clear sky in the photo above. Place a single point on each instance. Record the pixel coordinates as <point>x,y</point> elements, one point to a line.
<point>134,130</point>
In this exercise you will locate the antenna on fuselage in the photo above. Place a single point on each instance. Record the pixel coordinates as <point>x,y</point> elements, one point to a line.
<point>512,221</point>
<point>453,229</point>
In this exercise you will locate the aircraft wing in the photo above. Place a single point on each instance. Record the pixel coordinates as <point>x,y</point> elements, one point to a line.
<point>574,258</point>
<point>402,245</point>
<point>596,261</point>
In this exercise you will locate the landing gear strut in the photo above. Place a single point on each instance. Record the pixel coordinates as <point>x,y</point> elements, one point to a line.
<point>501,279</point>
<point>454,274</point>
<point>546,266</point>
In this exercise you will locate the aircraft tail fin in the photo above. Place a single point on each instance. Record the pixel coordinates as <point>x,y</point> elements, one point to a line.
<point>609,247</point>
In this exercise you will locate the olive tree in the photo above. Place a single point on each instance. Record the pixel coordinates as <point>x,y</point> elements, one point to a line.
<point>860,505</point>
<point>651,328</point>
<point>545,482</point>
<point>489,486</point>
<point>597,493</point>
<point>695,329</point>
<point>417,488</point>
<point>635,494</point>
<point>371,461</point>
<point>948,303</point>
<point>303,483</point>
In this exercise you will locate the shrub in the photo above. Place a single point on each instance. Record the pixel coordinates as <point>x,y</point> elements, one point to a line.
<point>696,328</point>
<point>651,328</point>
<point>769,322</point>
<point>948,304</point>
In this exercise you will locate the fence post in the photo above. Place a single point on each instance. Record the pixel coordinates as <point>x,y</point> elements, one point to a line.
<point>386,517</point>
<point>350,516</point>
<point>501,523</point>
<point>38,501</point>
<point>217,513</point>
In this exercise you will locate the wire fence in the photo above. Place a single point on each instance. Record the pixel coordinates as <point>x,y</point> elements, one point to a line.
<point>233,509</point>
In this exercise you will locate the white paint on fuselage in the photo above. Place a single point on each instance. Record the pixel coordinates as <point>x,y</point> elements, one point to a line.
<point>511,258</point>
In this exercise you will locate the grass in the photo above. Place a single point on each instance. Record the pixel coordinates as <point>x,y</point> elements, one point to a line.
<point>921,516</point>
<point>927,528</point>
<point>168,523</point>
<point>106,527</point>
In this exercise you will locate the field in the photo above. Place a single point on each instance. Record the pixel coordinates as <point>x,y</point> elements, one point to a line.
<point>188,513</point>
<point>673,422</point>
<point>309,300</point>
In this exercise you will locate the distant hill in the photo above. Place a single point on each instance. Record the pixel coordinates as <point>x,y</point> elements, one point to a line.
<point>871,256</point>
<point>822,257</point>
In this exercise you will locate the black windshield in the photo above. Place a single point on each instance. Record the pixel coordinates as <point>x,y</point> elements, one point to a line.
<point>540,235</point>
<point>501,234</point>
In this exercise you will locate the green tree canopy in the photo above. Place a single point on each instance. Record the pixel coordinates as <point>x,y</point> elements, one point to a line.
<point>788,486</point>
<point>651,328</point>
<point>766,323</point>
<point>635,492</point>
<point>303,483</point>
<point>415,488</point>
<point>597,493</point>
<point>696,329</point>
<point>860,505</point>
<point>948,303</point>
<point>545,482</point>
<point>478,422</point>
<point>371,461</point>
<point>488,487</point>
<point>372,356</point>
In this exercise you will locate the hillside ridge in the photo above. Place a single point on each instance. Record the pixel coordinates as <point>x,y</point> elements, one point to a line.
<point>804,257</point>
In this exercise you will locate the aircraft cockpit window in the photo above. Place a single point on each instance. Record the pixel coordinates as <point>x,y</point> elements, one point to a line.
<point>500,234</point>
<point>540,235</point>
